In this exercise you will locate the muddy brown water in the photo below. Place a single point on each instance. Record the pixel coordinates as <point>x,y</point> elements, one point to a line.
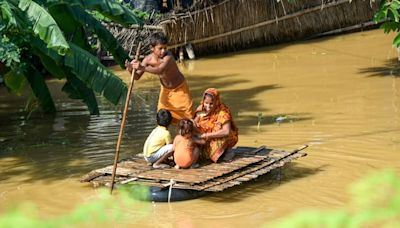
<point>340,95</point>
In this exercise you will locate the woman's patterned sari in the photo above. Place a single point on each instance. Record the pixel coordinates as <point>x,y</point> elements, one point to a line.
<point>213,121</point>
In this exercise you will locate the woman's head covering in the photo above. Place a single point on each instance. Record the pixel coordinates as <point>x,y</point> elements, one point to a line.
<point>216,99</point>
<point>214,121</point>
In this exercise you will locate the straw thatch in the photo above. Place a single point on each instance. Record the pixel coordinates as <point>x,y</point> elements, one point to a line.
<point>220,26</point>
<point>130,37</point>
<point>232,25</point>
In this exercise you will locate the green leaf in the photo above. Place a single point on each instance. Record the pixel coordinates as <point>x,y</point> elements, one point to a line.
<point>114,10</point>
<point>395,4</point>
<point>390,26</point>
<point>7,15</point>
<point>72,28</point>
<point>9,52</point>
<point>393,14</point>
<point>40,90</point>
<point>396,41</point>
<point>51,66</point>
<point>15,80</point>
<point>44,26</point>
<point>380,15</point>
<point>49,58</point>
<point>106,38</point>
<point>109,8</point>
<point>88,69</point>
<point>76,89</point>
<point>39,46</point>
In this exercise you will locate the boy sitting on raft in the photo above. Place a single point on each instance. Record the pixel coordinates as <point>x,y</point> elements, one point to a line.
<point>174,92</point>
<point>158,146</point>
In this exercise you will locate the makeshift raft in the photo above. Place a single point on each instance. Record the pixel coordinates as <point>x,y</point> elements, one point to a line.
<point>241,164</point>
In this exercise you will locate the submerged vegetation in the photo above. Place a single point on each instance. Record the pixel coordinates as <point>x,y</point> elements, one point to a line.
<point>48,38</point>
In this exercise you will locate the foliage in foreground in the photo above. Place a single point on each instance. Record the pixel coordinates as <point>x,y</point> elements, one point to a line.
<point>55,38</point>
<point>375,203</point>
<point>103,210</point>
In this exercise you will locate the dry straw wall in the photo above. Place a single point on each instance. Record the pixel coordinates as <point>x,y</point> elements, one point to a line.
<point>232,25</point>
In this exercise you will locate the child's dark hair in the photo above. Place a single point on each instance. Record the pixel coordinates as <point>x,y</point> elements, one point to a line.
<point>158,38</point>
<point>164,117</point>
<point>185,127</point>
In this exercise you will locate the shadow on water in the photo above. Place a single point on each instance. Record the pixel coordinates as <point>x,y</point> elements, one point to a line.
<point>391,68</point>
<point>262,184</point>
<point>243,100</point>
<point>73,142</point>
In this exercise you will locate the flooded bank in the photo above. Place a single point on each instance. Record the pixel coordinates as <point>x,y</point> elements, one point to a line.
<point>340,95</point>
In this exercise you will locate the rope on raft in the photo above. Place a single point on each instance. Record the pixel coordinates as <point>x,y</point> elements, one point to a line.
<point>171,183</point>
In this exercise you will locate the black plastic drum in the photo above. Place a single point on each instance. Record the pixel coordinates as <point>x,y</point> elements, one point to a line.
<point>161,195</point>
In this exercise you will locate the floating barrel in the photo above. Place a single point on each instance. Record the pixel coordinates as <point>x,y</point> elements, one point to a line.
<point>156,194</point>
<point>161,195</point>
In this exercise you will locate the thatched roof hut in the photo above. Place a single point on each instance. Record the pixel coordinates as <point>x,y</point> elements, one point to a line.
<point>232,25</point>
<point>220,26</point>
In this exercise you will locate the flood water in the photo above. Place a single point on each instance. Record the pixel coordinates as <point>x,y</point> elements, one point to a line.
<point>340,95</point>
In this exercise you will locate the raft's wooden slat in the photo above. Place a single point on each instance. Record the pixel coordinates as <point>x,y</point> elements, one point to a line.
<point>220,184</point>
<point>120,171</point>
<point>257,173</point>
<point>205,173</point>
<point>90,176</point>
<point>247,171</point>
<point>201,173</point>
<point>247,164</point>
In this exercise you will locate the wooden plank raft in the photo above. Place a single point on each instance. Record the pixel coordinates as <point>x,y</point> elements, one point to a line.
<point>241,164</point>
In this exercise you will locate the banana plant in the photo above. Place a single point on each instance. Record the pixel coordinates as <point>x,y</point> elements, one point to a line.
<point>41,38</point>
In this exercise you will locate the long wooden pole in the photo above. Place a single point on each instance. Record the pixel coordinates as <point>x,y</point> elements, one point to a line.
<point>121,129</point>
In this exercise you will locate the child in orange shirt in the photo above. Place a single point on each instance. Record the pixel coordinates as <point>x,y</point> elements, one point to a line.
<point>186,152</point>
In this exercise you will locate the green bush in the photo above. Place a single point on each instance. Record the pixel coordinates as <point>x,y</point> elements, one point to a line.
<point>375,203</point>
<point>105,209</point>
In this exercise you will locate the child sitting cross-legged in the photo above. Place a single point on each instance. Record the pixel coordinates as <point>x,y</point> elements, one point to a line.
<point>158,146</point>
<point>186,152</point>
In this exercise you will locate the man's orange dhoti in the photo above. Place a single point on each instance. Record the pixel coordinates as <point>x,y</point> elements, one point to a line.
<point>178,101</point>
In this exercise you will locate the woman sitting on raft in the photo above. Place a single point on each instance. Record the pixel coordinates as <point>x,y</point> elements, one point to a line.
<point>215,123</point>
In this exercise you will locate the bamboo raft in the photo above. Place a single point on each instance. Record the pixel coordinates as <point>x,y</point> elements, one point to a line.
<point>244,164</point>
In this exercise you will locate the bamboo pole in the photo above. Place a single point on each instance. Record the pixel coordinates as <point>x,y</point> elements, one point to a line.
<point>121,130</point>
<point>149,27</point>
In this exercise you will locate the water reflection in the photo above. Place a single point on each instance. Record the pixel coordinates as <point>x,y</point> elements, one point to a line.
<point>45,146</point>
